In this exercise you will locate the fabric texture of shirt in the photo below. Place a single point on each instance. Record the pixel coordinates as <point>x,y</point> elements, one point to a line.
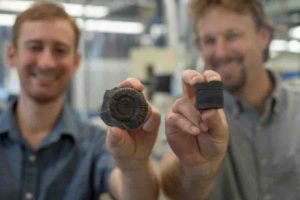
<point>263,159</point>
<point>72,163</point>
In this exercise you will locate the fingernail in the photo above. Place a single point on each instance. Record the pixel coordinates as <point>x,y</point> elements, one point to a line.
<point>193,80</point>
<point>212,78</point>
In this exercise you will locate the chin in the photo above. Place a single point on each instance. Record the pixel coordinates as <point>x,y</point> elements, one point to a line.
<point>234,88</point>
<point>45,100</point>
<point>42,98</point>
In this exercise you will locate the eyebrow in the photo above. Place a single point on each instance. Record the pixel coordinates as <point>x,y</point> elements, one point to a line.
<point>59,43</point>
<point>227,31</point>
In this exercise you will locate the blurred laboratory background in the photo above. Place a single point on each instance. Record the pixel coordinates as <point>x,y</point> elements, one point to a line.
<point>152,40</point>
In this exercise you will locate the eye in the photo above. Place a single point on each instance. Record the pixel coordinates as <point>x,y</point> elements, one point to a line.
<point>35,47</point>
<point>61,50</point>
<point>232,36</point>
<point>208,41</point>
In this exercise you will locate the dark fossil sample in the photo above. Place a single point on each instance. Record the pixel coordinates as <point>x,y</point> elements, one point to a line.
<point>209,95</point>
<point>125,108</point>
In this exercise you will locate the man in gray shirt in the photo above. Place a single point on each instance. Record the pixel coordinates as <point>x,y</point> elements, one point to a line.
<point>262,159</point>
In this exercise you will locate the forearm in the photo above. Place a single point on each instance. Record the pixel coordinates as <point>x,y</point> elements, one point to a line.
<point>136,184</point>
<point>182,184</point>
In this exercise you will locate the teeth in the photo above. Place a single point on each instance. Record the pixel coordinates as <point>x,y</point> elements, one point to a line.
<point>45,77</point>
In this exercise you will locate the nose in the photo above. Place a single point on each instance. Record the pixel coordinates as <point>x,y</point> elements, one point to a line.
<point>46,59</point>
<point>221,48</point>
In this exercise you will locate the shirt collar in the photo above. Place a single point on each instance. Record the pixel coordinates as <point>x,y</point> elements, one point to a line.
<point>273,103</point>
<point>8,124</point>
<point>278,93</point>
<point>67,124</point>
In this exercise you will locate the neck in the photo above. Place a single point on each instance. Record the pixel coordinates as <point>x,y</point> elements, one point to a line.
<point>256,91</point>
<point>36,120</point>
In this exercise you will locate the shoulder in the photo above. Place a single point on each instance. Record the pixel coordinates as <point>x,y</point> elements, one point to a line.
<point>288,95</point>
<point>292,88</point>
<point>83,129</point>
<point>86,130</point>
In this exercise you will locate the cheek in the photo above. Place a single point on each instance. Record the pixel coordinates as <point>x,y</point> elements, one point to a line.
<point>239,46</point>
<point>26,60</point>
<point>207,54</point>
<point>66,70</point>
<point>251,53</point>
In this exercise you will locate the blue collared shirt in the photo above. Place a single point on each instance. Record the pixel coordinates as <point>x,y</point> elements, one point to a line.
<point>72,163</point>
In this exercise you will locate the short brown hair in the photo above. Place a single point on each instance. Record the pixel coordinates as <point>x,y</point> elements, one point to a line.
<point>43,11</point>
<point>254,7</point>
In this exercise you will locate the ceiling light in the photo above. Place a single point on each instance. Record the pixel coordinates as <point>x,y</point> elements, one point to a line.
<point>95,11</point>
<point>91,25</point>
<point>295,32</point>
<point>7,19</point>
<point>279,45</point>
<point>72,9</point>
<point>15,6</point>
<point>294,46</point>
<point>75,10</point>
<point>109,26</point>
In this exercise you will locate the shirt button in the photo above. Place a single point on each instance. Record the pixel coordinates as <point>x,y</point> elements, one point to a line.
<point>32,158</point>
<point>265,186</point>
<point>29,196</point>
<point>267,197</point>
<point>258,128</point>
<point>276,110</point>
<point>263,162</point>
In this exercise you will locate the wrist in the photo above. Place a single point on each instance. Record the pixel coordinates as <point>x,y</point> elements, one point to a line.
<point>183,179</point>
<point>141,174</point>
<point>203,172</point>
<point>129,166</point>
<point>200,174</point>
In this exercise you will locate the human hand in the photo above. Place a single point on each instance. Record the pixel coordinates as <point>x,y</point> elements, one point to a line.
<point>132,150</point>
<point>198,138</point>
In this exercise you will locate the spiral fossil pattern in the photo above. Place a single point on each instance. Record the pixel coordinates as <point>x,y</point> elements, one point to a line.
<point>125,108</point>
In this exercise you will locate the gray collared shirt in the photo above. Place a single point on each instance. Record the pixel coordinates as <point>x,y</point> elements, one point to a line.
<point>263,160</point>
<point>71,163</point>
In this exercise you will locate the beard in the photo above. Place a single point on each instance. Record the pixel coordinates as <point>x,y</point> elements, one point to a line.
<point>232,70</point>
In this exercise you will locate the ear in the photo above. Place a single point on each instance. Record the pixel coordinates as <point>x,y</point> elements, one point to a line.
<point>265,37</point>
<point>11,52</point>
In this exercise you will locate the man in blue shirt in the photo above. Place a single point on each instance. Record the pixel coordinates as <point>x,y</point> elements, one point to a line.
<point>45,151</point>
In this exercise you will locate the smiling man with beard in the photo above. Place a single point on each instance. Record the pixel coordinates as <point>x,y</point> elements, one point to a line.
<point>262,159</point>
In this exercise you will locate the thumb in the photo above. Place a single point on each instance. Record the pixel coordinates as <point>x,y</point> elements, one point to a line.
<point>114,139</point>
<point>119,142</point>
<point>215,120</point>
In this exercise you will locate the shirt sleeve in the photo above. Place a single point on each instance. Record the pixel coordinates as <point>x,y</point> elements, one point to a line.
<point>104,165</point>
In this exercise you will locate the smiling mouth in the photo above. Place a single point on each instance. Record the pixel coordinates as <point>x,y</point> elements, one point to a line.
<point>226,62</point>
<point>44,77</point>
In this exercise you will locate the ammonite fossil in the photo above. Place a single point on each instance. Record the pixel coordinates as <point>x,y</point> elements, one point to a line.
<point>125,108</point>
<point>209,95</point>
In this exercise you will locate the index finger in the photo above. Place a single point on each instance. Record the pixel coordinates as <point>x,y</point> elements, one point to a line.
<point>189,78</point>
<point>132,83</point>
